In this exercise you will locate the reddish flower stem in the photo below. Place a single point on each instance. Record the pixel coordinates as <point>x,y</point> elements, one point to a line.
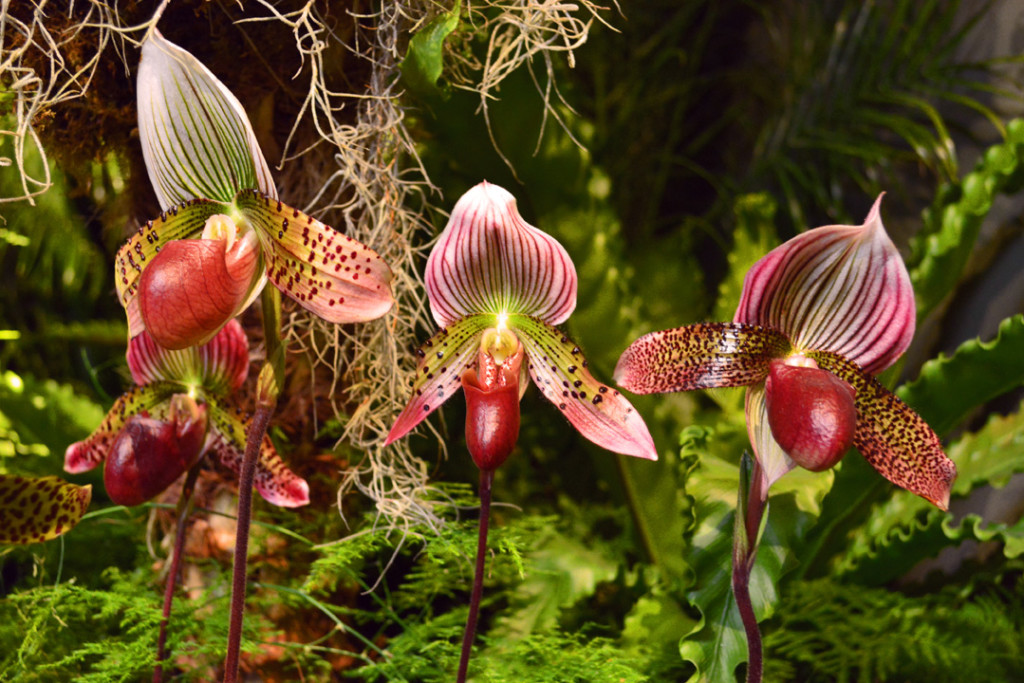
<point>183,510</point>
<point>253,440</point>
<point>743,557</point>
<point>486,479</point>
<point>741,589</point>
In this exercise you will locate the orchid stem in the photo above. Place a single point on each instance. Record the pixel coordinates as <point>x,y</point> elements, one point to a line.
<point>183,511</point>
<point>486,479</point>
<point>745,544</point>
<point>253,441</point>
<point>741,589</point>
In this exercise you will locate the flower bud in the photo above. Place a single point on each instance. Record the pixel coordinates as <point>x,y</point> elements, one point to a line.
<point>492,407</point>
<point>811,413</point>
<point>193,287</point>
<point>149,454</point>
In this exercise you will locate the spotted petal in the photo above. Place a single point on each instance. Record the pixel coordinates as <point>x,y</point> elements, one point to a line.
<point>274,481</point>
<point>82,456</point>
<point>38,509</point>
<point>332,275</point>
<point>599,412</point>
<point>218,366</point>
<point>180,222</point>
<point>196,138</point>
<point>443,359</point>
<point>892,437</point>
<point>838,288</point>
<point>699,357</point>
<point>489,260</point>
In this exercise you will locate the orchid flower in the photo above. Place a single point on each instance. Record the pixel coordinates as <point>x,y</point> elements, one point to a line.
<point>818,318</point>
<point>497,286</point>
<point>180,409</point>
<point>223,232</point>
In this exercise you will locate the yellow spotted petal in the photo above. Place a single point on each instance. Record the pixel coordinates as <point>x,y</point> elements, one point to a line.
<point>33,510</point>
<point>596,410</point>
<point>334,276</point>
<point>443,359</point>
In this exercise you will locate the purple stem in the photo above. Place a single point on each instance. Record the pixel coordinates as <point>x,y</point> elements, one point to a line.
<point>184,509</point>
<point>253,441</point>
<point>741,589</point>
<point>486,479</point>
<point>742,565</point>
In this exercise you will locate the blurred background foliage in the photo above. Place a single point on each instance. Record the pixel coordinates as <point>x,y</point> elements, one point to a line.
<point>709,132</point>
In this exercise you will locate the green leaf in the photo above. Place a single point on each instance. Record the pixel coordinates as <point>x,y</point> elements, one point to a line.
<point>952,224</point>
<point>562,571</point>
<point>753,238</point>
<point>423,61</point>
<point>42,417</point>
<point>717,645</point>
<point>654,624</point>
<point>948,388</point>
<point>906,528</point>
<point>34,510</point>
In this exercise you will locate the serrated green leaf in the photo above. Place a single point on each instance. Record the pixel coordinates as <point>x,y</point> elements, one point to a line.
<point>948,388</point>
<point>717,645</point>
<point>952,224</point>
<point>654,623</point>
<point>562,571</point>
<point>423,61</point>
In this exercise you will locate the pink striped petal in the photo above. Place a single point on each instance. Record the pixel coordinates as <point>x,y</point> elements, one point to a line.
<point>332,275</point>
<point>597,411</point>
<point>892,437</point>
<point>837,288</point>
<point>277,484</point>
<point>774,461</point>
<point>489,260</point>
<point>180,222</point>
<point>699,357</point>
<point>84,455</point>
<point>443,359</point>
<point>34,510</point>
<point>220,365</point>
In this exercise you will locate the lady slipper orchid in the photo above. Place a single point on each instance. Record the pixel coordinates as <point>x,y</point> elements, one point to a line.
<point>224,232</point>
<point>497,286</point>
<point>180,410</point>
<point>819,316</point>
